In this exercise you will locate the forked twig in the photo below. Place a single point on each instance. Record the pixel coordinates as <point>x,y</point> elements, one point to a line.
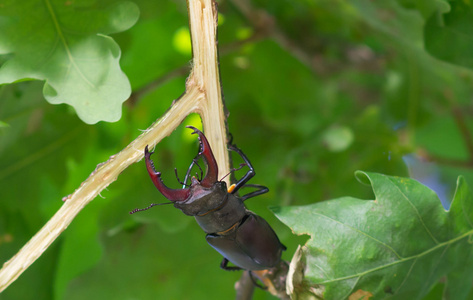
<point>202,96</point>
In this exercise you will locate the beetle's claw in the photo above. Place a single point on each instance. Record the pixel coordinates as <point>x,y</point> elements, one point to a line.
<point>171,194</point>
<point>149,161</point>
<point>192,127</point>
<point>147,153</point>
<point>195,130</point>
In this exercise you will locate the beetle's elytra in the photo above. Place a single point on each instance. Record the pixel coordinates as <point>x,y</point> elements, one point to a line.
<point>242,237</point>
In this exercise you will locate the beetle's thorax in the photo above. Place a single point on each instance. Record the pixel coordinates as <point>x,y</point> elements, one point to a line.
<point>214,209</point>
<point>201,199</point>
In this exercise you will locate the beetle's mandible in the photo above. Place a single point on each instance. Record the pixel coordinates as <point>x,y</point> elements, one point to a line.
<point>239,235</point>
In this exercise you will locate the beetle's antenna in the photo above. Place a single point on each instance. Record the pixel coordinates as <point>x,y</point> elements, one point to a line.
<point>233,170</point>
<point>146,208</point>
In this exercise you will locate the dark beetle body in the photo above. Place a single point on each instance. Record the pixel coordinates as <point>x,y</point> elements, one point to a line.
<point>241,236</point>
<point>252,245</point>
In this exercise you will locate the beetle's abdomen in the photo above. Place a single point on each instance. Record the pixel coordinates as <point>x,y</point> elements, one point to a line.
<point>253,245</point>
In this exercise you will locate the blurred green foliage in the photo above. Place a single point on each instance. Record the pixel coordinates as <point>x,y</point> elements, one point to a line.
<point>324,88</point>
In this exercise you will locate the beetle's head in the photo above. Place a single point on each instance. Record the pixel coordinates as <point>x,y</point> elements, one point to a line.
<point>202,195</point>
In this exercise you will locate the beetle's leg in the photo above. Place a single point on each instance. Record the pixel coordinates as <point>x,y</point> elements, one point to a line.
<point>261,189</point>
<point>230,139</point>
<point>248,175</point>
<point>253,279</point>
<point>184,185</point>
<point>201,171</point>
<point>189,171</point>
<point>224,265</point>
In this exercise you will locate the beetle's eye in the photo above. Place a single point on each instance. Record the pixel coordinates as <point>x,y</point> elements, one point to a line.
<point>222,185</point>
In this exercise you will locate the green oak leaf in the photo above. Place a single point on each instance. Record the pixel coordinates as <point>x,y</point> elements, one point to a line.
<point>447,36</point>
<point>64,43</point>
<point>396,246</point>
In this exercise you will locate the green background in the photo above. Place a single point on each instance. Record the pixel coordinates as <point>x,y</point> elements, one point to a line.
<point>315,90</point>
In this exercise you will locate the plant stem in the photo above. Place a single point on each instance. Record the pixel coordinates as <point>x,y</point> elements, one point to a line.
<point>205,77</point>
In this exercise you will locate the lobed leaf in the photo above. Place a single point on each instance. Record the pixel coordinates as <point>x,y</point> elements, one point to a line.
<point>396,246</point>
<point>65,44</point>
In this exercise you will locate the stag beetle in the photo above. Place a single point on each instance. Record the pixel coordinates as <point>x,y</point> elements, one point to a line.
<point>239,235</point>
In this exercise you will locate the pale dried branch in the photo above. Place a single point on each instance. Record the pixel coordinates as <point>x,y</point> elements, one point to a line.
<point>103,176</point>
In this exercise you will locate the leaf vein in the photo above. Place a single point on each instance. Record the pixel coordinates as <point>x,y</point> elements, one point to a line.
<point>65,44</point>
<point>321,269</point>
<point>415,210</point>
<point>447,243</point>
<point>426,284</point>
<point>407,275</point>
<point>352,288</point>
<point>363,233</point>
